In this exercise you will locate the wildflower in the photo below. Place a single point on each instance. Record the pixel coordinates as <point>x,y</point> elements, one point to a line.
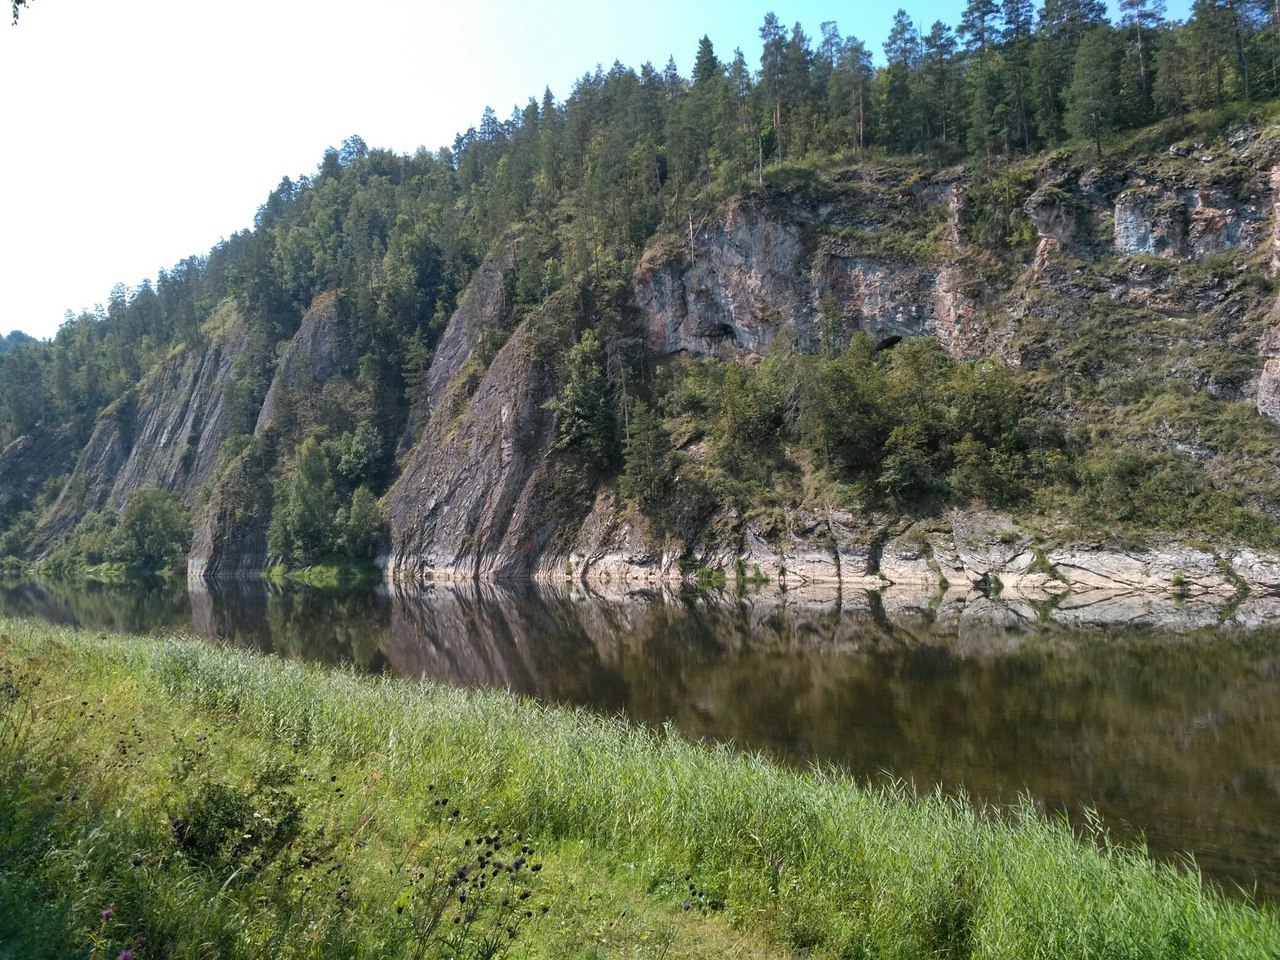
<point>107,914</point>
<point>125,954</point>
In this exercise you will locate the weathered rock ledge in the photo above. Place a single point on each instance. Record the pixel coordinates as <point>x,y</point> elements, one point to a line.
<point>964,550</point>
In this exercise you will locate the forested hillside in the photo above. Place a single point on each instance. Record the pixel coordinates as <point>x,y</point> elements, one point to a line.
<point>1023,265</point>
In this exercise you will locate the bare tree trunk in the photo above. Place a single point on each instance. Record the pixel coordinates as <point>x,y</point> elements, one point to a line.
<point>862,116</point>
<point>777,125</point>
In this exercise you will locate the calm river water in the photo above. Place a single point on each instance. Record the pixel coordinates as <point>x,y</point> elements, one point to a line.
<point>1167,725</point>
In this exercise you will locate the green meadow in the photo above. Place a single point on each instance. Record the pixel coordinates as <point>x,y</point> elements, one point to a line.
<point>166,798</point>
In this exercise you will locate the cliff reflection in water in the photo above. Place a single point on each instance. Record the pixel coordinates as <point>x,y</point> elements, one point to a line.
<point>1174,733</point>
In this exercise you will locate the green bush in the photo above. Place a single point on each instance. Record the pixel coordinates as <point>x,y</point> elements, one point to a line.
<point>154,531</point>
<point>303,525</point>
<point>361,525</point>
<point>237,832</point>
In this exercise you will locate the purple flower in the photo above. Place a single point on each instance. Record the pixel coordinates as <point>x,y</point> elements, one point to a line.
<point>107,914</point>
<point>125,954</point>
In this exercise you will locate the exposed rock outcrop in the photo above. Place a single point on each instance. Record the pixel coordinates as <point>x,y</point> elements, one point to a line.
<point>1053,213</point>
<point>230,537</point>
<point>1176,223</point>
<point>31,460</point>
<point>482,310</point>
<point>862,249</point>
<point>967,550</point>
<point>757,274</point>
<point>321,350</point>
<point>741,281</point>
<point>1268,391</point>
<point>475,496</point>
<point>166,433</point>
<point>1171,568</point>
<point>1274,182</point>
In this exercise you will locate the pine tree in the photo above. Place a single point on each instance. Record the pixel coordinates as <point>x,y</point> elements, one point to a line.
<point>735,138</point>
<point>1143,17</point>
<point>978,28</point>
<point>1063,23</point>
<point>898,111</point>
<point>771,72</point>
<point>706,68</point>
<point>977,24</point>
<point>851,89</point>
<point>939,69</point>
<point>797,62</point>
<point>1169,89</point>
<point>584,418</point>
<point>698,114</point>
<point>1015,72</point>
<point>644,471</point>
<point>1093,98</point>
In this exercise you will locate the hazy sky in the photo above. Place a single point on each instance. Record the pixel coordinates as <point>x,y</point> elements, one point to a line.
<point>136,134</point>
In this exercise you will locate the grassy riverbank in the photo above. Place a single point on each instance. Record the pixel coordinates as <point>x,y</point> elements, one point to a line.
<point>173,800</point>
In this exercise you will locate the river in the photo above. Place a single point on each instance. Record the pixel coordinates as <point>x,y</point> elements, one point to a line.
<point>1149,710</point>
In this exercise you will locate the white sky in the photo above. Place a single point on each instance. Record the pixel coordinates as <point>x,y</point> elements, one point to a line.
<point>135,134</point>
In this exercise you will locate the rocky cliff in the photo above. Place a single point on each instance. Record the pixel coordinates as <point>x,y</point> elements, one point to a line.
<point>806,272</point>
<point>810,274</point>
<point>1157,271</point>
<point>32,460</point>
<point>476,495</point>
<point>165,433</point>
<point>230,537</point>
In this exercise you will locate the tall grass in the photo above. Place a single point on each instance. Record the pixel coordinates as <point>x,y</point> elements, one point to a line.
<point>812,861</point>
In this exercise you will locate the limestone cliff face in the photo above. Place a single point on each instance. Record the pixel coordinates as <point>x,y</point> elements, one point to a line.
<point>321,350</point>
<point>166,433</point>
<point>230,537</point>
<point>476,493</point>
<point>1177,218</point>
<point>474,496</point>
<point>1174,222</point>
<point>759,273</point>
<point>31,460</point>
<point>1268,396</point>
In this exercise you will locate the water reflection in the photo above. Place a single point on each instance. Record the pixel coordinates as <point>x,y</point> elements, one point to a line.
<point>1171,733</point>
<point>162,606</point>
<point>326,627</point>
